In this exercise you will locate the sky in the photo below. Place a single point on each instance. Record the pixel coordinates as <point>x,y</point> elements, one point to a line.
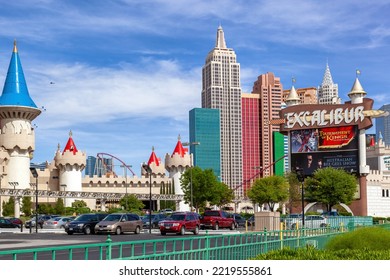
<point>122,75</point>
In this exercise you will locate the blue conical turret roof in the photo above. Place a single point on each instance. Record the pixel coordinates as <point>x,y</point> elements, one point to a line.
<point>15,92</point>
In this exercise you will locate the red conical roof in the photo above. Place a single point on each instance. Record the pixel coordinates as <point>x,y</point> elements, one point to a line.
<point>153,158</point>
<point>179,149</point>
<point>70,145</point>
<point>372,141</point>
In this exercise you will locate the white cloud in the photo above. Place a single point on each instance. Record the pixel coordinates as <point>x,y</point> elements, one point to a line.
<point>84,94</point>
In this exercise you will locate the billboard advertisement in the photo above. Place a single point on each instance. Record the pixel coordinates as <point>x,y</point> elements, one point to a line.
<point>315,148</point>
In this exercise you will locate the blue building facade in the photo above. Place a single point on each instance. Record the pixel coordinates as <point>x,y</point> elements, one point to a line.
<point>205,129</point>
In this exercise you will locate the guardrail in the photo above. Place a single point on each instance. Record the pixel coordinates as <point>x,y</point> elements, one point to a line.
<point>242,246</point>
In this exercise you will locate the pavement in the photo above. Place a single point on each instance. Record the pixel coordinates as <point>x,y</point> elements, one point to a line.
<point>10,241</point>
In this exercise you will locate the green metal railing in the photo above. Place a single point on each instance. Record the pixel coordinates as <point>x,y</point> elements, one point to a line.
<point>240,246</point>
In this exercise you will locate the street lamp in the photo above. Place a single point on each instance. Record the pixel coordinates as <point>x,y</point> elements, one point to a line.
<point>147,168</point>
<point>301,178</point>
<point>35,175</point>
<point>192,159</point>
<point>16,210</point>
<point>125,173</point>
<point>64,186</point>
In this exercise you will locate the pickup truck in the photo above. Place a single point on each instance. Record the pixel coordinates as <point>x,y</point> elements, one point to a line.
<point>217,219</point>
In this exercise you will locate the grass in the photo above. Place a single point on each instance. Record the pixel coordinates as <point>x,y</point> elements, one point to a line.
<point>372,243</point>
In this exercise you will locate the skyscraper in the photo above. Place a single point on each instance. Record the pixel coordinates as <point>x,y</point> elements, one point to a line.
<point>221,89</point>
<point>382,125</point>
<point>251,168</point>
<point>204,129</point>
<point>328,92</point>
<point>270,91</point>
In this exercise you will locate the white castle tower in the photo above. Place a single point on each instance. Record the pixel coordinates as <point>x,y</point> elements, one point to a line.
<point>70,164</point>
<point>17,137</point>
<point>357,95</point>
<point>176,164</point>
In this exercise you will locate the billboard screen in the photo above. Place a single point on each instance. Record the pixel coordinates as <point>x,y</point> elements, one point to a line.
<point>335,147</point>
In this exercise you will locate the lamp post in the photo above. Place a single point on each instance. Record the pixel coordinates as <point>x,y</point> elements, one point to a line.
<point>125,174</point>
<point>64,186</point>
<point>35,175</point>
<point>16,205</point>
<point>147,168</point>
<point>301,178</point>
<point>192,165</point>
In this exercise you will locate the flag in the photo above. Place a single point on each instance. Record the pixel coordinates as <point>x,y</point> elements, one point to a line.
<point>357,72</point>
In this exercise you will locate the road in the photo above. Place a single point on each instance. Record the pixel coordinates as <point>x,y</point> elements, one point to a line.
<point>11,239</point>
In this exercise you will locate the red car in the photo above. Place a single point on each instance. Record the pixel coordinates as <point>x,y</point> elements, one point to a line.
<point>16,221</point>
<point>179,223</point>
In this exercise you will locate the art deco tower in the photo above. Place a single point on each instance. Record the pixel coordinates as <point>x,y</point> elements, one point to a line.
<point>221,90</point>
<point>328,92</point>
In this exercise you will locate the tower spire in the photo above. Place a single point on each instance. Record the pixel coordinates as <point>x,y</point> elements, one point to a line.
<point>220,42</point>
<point>15,92</point>
<point>327,80</point>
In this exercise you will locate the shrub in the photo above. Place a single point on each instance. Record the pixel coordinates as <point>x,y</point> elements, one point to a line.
<point>310,253</point>
<point>373,238</point>
<point>371,243</point>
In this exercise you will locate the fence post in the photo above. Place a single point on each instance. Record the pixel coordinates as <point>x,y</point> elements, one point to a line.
<point>265,241</point>
<point>207,245</point>
<point>108,247</point>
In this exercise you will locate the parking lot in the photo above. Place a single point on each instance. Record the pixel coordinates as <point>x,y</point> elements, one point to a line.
<point>16,238</point>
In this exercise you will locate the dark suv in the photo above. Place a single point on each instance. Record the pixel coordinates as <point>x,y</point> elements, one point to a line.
<point>180,222</point>
<point>41,220</point>
<point>84,223</point>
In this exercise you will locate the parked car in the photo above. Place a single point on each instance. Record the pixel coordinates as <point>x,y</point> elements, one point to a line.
<point>119,223</point>
<point>16,221</point>
<point>251,221</point>
<point>217,219</point>
<point>311,221</point>
<point>239,220</point>
<point>84,223</point>
<point>180,222</point>
<point>292,220</point>
<point>6,223</point>
<point>166,211</point>
<point>330,214</point>
<point>41,220</point>
<point>57,222</point>
<point>156,218</point>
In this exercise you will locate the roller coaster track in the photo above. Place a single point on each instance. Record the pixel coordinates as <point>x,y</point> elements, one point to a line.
<point>105,166</point>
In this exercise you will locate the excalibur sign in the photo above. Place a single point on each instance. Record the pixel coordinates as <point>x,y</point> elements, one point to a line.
<point>315,116</point>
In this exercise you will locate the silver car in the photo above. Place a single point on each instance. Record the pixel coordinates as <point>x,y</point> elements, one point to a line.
<point>311,221</point>
<point>120,222</point>
<point>57,222</point>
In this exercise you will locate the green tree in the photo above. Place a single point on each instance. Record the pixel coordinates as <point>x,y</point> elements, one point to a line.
<point>131,203</point>
<point>79,206</point>
<point>45,208</point>
<point>221,194</point>
<point>269,190</point>
<point>330,186</point>
<point>59,207</point>
<point>9,207</point>
<point>203,183</point>
<point>26,206</point>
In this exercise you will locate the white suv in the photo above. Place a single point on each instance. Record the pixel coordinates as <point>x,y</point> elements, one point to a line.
<point>311,221</point>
